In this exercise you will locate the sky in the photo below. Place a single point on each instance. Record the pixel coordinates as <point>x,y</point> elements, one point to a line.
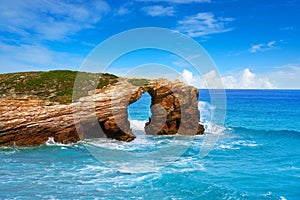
<point>254,44</point>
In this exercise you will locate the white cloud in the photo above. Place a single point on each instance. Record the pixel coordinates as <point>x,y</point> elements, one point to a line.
<point>286,77</point>
<point>159,10</point>
<point>262,47</point>
<point>50,20</point>
<point>180,63</point>
<point>123,11</point>
<point>288,28</point>
<point>177,1</point>
<point>247,80</point>
<point>203,24</point>
<point>244,79</point>
<point>28,24</point>
<point>187,76</point>
<point>209,80</point>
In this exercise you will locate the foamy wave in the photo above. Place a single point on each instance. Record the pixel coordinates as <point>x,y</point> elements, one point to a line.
<point>141,143</point>
<point>223,146</point>
<point>8,150</point>
<point>148,156</point>
<point>137,125</point>
<point>246,143</point>
<point>213,128</point>
<point>238,144</point>
<point>105,143</point>
<point>205,109</point>
<point>186,164</point>
<point>51,142</point>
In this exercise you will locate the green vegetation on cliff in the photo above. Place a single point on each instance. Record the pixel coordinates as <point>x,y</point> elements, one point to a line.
<point>138,81</point>
<point>56,86</point>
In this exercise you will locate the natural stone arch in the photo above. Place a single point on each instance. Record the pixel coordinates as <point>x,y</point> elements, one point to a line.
<point>170,101</point>
<point>103,113</point>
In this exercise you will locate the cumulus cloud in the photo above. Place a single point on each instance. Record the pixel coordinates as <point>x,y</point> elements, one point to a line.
<point>203,24</point>
<point>262,47</point>
<point>247,80</point>
<point>286,77</point>
<point>158,10</point>
<point>244,79</point>
<point>187,76</point>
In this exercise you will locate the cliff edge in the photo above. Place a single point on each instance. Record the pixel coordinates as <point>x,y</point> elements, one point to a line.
<point>30,120</point>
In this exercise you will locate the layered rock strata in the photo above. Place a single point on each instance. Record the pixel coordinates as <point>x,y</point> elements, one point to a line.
<point>104,113</point>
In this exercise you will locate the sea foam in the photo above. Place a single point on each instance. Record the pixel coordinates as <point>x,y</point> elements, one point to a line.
<point>137,125</point>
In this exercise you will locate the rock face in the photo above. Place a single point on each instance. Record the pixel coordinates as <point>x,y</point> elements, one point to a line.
<point>29,122</point>
<point>174,109</point>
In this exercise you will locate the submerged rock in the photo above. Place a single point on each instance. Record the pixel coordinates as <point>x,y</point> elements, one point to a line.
<point>174,107</point>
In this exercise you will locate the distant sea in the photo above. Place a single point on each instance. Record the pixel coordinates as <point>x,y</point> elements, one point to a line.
<point>256,157</point>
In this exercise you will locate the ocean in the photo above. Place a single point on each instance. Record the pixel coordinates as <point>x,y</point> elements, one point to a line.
<point>257,156</point>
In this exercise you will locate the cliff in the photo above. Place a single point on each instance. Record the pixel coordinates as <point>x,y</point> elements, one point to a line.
<point>28,121</point>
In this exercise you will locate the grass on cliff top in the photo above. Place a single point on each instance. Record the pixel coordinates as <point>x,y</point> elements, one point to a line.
<point>138,82</point>
<point>56,86</point>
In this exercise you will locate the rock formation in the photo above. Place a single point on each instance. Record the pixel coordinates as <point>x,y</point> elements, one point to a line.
<point>103,113</point>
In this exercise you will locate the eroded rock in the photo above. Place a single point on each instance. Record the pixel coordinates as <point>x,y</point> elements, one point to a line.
<point>28,122</point>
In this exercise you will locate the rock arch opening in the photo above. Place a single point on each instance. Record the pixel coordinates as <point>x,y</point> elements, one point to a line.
<point>139,113</point>
<point>174,108</point>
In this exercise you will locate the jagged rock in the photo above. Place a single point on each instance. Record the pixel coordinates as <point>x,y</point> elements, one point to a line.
<point>103,113</point>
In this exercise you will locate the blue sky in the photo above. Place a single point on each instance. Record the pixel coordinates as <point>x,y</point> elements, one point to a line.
<point>255,44</point>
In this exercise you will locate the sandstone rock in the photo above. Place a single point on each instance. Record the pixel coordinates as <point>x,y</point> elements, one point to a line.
<point>27,121</point>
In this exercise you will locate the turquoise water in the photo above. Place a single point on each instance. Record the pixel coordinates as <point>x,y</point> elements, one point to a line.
<point>256,157</point>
